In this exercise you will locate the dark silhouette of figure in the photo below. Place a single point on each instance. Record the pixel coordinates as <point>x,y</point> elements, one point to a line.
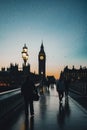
<point>48,84</point>
<point>41,86</point>
<point>67,83</point>
<point>60,88</point>
<point>27,91</point>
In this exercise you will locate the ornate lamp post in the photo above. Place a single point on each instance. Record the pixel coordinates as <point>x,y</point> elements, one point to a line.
<point>25,54</point>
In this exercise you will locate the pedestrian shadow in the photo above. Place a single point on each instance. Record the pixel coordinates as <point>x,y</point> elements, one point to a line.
<point>67,107</point>
<point>32,123</point>
<point>61,116</point>
<point>63,113</point>
<point>29,123</point>
<point>26,123</point>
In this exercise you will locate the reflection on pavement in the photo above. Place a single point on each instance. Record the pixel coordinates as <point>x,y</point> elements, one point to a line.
<point>29,123</point>
<point>63,113</point>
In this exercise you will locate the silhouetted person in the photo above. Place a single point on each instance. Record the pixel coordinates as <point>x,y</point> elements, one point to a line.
<point>41,86</point>
<point>67,83</point>
<point>27,91</point>
<point>48,84</point>
<point>60,88</point>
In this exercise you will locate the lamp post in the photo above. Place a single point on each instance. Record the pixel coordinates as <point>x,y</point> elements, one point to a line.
<point>25,54</point>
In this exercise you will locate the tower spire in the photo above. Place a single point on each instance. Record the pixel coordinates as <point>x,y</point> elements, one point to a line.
<point>42,61</point>
<point>42,47</point>
<point>42,42</point>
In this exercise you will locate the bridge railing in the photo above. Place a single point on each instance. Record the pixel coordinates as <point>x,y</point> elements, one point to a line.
<point>79,87</point>
<point>9,101</point>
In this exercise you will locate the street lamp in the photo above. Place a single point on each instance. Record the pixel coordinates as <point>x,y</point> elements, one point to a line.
<point>25,54</point>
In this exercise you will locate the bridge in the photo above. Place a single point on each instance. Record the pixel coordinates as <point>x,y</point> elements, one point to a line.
<point>49,114</point>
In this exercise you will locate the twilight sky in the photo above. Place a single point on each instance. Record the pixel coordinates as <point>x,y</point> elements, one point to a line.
<point>61,24</point>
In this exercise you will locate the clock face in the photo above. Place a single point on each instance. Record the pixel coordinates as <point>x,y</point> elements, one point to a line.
<point>41,57</point>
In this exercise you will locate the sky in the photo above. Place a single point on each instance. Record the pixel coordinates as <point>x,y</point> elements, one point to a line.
<point>60,24</point>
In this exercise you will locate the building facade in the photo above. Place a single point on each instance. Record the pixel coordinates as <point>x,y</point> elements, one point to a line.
<point>77,77</point>
<point>42,61</point>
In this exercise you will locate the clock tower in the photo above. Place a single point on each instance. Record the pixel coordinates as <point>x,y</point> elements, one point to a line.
<point>42,61</point>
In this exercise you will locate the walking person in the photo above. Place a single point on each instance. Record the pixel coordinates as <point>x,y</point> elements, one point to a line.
<point>67,83</point>
<point>27,92</point>
<point>60,89</point>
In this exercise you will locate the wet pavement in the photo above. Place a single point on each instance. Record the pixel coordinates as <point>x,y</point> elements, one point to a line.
<point>49,114</point>
<point>81,99</point>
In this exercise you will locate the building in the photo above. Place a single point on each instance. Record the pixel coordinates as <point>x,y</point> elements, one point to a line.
<point>42,61</point>
<point>78,78</point>
<point>13,77</point>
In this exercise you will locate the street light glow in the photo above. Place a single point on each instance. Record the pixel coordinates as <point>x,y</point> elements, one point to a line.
<point>25,54</point>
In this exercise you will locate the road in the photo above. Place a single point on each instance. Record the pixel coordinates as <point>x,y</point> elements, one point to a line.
<point>50,115</point>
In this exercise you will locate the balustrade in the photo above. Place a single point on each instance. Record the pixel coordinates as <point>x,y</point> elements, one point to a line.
<point>9,101</point>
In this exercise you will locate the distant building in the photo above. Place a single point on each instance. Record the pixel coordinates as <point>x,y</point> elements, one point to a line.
<point>75,74</point>
<point>78,78</point>
<point>13,77</point>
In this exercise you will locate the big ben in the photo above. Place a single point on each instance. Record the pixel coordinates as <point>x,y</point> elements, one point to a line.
<point>42,61</point>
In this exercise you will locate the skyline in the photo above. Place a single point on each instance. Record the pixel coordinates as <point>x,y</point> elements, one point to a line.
<point>61,25</point>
